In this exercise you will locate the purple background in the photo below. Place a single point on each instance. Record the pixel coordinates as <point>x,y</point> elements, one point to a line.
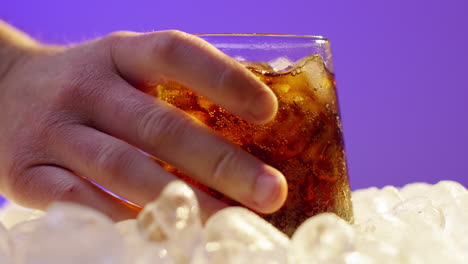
<point>401,65</point>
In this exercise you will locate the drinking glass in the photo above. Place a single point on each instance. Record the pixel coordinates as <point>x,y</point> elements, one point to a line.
<point>304,141</point>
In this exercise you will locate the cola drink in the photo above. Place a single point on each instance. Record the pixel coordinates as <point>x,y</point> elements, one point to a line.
<point>304,141</point>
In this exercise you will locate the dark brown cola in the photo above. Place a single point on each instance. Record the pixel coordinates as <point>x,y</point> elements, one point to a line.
<point>304,141</point>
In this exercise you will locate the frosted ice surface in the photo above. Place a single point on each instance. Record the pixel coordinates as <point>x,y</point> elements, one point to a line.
<point>325,238</point>
<point>5,243</point>
<point>174,214</point>
<point>238,235</point>
<point>73,234</point>
<point>447,197</point>
<point>138,250</point>
<point>5,259</point>
<point>280,63</point>
<point>419,212</point>
<point>363,204</point>
<point>317,75</point>
<point>415,189</point>
<point>235,252</point>
<point>149,253</point>
<point>174,220</point>
<point>128,228</point>
<point>388,197</point>
<point>13,213</point>
<point>417,224</point>
<point>20,234</point>
<point>423,228</point>
<point>370,249</point>
<point>241,224</point>
<point>460,229</point>
<point>368,205</point>
<point>5,246</point>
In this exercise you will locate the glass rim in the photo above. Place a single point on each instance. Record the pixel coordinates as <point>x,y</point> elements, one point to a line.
<point>311,37</point>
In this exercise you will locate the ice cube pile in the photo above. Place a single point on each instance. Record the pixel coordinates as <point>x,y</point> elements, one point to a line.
<point>419,223</point>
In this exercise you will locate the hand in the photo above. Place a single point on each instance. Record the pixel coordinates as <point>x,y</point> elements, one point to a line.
<point>71,115</point>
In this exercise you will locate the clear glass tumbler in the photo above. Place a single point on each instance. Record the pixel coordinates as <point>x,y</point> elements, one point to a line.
<point>304,141</point>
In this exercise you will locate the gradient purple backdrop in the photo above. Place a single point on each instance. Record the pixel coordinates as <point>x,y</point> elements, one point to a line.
<point>401,65</point>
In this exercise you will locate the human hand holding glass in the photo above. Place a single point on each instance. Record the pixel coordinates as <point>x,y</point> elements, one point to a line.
<point>73,114</point>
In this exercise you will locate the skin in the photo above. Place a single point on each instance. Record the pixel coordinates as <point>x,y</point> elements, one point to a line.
<point>75,115</point>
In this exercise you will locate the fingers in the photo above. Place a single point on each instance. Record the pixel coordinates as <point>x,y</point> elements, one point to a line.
<point>118,167</point>
<point>170,135</point>
<point>111,163</point>
<point>39,186</point>
<point>173,55</point>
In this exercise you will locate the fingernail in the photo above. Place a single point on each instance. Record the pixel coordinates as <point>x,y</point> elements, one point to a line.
<point>267,189</point>
<point>263,106</point>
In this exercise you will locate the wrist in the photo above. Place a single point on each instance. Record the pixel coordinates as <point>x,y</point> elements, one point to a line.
<point>14,47</point>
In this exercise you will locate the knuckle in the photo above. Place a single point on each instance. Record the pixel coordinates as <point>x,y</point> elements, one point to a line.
<point>79,85</point>
<point>22,186</point>
<point>223,167</point>
<point>68,86</point>
<point>223,78</point>
<point>16,178</point>
<point>113,42</point>
<point>51,126</point>
<point>113,162</point>
<point>170,43</point>
<point>118,35</point>
<point>16,186</point>
<point>26,190</point>
<point>157,125</point>
<point>84,77</point>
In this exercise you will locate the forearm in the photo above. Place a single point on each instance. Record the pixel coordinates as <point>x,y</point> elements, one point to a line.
<point>14,45</point>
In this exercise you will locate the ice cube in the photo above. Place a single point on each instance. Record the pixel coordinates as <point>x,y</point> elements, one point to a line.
<point>20,234</point>
<point>319,77</point>
<point>450,198</point>
<point>72,234</point>
<point>363,205</point>
<point>4,259</point>
<point>459,228</point>
<point>324,238</point>
<point>5,246</point>
<point>128,227</point>
<point>414,231</point>
<point>280,63</point>
<point>173,220</point>
<point>370,203</point>
<point>415,189</point>
<point>455,189</point>
<point>147,253</point>
<point>138,249</point>
<point>441,193</point>
<point>174,214</point>
<point>419,212</point>
<point>358,258</point>
<point>445,196</point>
<point>369,249</point>
<point>428,246</point>
<point>233,252</point>
<point>388,197</point>
<point>12,214</point>
<point>238,235</point>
